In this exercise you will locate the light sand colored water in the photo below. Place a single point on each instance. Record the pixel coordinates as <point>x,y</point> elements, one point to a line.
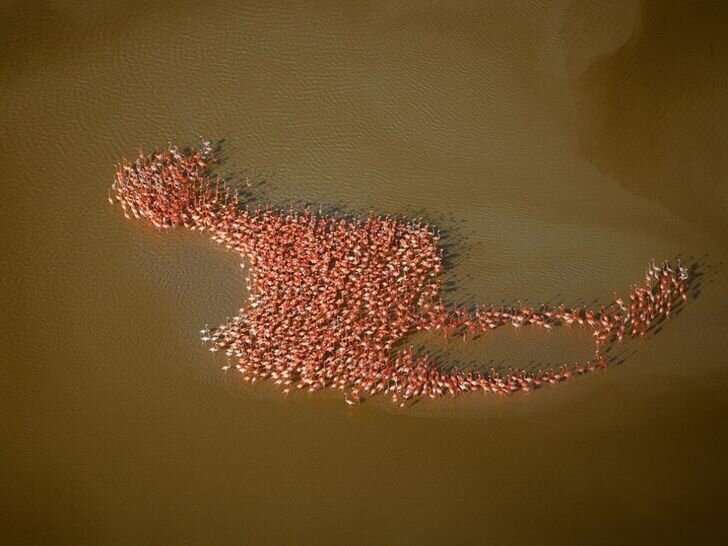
<point>563,144</point>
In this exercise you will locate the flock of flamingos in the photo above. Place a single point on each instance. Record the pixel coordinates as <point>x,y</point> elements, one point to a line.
<point>331,298</point>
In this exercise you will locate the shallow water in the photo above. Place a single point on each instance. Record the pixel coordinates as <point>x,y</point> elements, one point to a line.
<point>561,146</point>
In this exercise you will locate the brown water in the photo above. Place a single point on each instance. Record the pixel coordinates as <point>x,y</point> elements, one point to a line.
<point>563,145</point>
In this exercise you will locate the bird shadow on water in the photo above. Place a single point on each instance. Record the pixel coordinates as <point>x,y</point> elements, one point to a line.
<point>253,188</point>
<point>701,274</point>
<point>456,244</point>
<point>257,189</point>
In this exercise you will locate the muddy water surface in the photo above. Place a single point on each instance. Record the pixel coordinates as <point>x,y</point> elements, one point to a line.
<point>560,145</point>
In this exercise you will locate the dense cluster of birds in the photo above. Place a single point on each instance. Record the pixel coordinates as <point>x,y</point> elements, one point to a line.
<point>331,298</point>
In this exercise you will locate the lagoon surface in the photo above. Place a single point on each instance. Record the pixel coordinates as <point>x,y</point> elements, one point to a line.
<point>560,145</point>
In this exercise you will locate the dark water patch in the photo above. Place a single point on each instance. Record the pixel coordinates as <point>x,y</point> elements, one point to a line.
<point>654,114</point>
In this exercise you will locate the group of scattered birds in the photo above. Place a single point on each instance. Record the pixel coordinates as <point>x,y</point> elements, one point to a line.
<point>331,298</point>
